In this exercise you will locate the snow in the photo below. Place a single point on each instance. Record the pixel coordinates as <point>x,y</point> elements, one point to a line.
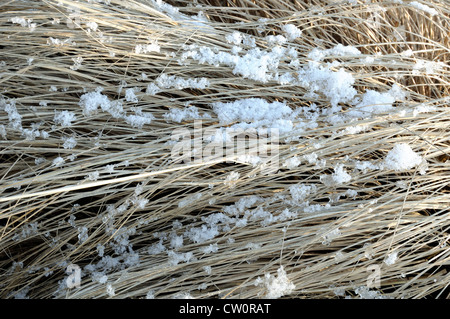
<point>64,118</point>
<point>401,158</point>
<point>338,50</point>
<point>92,25</point>
<point>340,176</point>
<point>330,236</point>
<point>234,38</point>
<point>83,234</point>
<point>147,48</point>
<point>130,95</point>
<point>365,293</point>
<point>300,192</point>
<point>76,63</point>
<point>176,258</point>
<point>202,233</point>
<point>211,248</point>
<point>423,7</point>
<point>165,81</point>
<point>231,179</point>
<point>110,290</point>
<point>427,67</point>
<point>407,53</point>
<point>256,111</point>
<point>58,161</point>
<point>15,119</point>
<point>291,31</point>
<point>276,39</point>
<point>337,86</point>
<point>374,102</point>
<point>190,199</point>
<point>292,162</point>
<point>188,113</point>
<point>93,176</point>
<point>91,101</point>
<point>3,131</point>
<point>278,286</point>
<point>391,258</point>
<point>69,142</point>
<point>176,242</point>
<point>156,248</point>
<point>25,23</point>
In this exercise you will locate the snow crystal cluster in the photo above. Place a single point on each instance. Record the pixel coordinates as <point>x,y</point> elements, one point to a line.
<point>164,82</point>
<point>276,286</point>
<point>255,113</point>
<point>184,114</point>
<point>400,158</point>
<point>92,101</point>
<point>25,23</point>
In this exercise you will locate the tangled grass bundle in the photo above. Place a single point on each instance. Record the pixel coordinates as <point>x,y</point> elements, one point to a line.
<point>93,91</point>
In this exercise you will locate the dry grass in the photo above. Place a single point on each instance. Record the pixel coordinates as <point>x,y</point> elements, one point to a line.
<point>410,218</point>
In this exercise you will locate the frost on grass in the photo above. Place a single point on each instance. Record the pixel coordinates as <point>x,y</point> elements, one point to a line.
<point>277,286</point>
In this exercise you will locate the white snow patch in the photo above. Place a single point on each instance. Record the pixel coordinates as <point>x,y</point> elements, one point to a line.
<point>423,7</point>
<point>188,113</point>
<point>278,286</point>
<point>64,118</point>
<point>402,157</point>
<point>292,32</point>
<point>391,258</point>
